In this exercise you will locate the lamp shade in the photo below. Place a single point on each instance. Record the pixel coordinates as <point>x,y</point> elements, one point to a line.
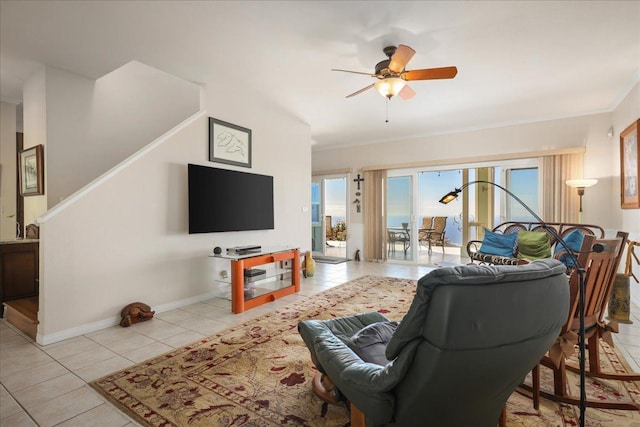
<point>581,183</point>
<point>390,86</point>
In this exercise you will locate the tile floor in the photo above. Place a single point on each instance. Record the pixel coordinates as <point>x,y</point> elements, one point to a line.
<point>47,385</point>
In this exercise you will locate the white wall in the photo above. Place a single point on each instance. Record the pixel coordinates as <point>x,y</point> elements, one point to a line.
<point>8,171</point>
<point>124,238</point>
<point>95,124</point>
<point>34,100</point>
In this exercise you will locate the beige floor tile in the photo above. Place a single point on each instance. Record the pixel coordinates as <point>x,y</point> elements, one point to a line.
<point>66,406</point>
<point>101,416</point>
<point>203,325</point>
<point>110,335</point>
<point>130,343</point>
<point>34,376</point>
<point>30,359</point>
<point>81,360</point>
<point>147,352</point>
<point>182,339</point>
<point>201,308</point>
<point>8,405</point>
<point>174,316</point>
<point>158,329</point>
<point>102,368</point>
<point>20,419</point>
<point>31,397</point>
<point>71,347</point>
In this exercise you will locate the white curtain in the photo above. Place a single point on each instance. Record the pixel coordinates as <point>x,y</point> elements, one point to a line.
<point>560,203</point>
<point>375,230</point>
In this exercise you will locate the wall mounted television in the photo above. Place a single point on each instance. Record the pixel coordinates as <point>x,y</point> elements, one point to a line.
<point>226,200</point>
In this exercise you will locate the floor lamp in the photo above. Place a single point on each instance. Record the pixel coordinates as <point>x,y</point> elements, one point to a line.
<point>452,195</point>
<point>581,184</point>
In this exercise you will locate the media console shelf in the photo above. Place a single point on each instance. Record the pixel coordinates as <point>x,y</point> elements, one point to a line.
<point>275,282</point>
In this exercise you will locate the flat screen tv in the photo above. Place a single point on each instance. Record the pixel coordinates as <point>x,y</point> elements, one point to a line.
<point>226,200</point>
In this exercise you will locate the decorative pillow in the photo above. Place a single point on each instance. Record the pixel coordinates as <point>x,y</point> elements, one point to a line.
<point>533,245</point>
<point>574,242</point>
<point>371,341</point>
<point>499,244</point>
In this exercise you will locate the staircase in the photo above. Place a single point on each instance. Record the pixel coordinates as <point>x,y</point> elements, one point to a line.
<point>23,314</point>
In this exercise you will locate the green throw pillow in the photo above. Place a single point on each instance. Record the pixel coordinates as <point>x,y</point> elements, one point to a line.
<point>533,245</point>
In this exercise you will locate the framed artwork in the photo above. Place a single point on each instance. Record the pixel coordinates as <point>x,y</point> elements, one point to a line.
<point>229,143</point>
<point>31,171</point>
<point>629,161</point>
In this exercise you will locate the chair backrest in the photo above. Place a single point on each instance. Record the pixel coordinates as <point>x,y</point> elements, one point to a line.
<point>427,222</point>
<point>600,269</point>
<point>439,224</point>
<point>480,330</point>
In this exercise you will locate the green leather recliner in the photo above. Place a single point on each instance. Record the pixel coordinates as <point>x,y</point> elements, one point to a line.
<point>468,340</point>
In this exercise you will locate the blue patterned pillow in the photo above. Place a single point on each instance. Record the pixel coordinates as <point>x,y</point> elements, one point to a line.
<point>574,242</point>
<point>499,244</point>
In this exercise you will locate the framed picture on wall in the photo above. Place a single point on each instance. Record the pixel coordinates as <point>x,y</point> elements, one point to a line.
<point>229,143</point>
<point>31,171</point>
<point>629,160</point>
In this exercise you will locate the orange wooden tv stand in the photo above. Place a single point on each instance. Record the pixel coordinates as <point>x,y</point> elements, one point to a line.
<point>271,282</point>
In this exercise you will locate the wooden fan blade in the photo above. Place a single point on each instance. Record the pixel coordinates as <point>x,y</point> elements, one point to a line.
<point>406,93</point>
<point>400,59</point>
<point>360,91</point>
<point>430,74</point>
<point>354,72</point>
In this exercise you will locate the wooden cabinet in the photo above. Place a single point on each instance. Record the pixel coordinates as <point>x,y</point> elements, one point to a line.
<point>19,264</point>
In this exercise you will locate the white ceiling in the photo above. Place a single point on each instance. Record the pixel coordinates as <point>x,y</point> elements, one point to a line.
<point>517,61</point>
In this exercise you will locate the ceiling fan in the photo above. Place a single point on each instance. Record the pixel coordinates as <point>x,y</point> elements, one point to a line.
<point>392,77</point>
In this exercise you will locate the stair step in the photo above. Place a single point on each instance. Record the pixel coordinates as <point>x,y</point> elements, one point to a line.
<point>23,314</point>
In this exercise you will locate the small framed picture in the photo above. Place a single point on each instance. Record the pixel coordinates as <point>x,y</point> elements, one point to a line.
<point>229,143</point>
<point>629,160</point>
<point>31,171</point>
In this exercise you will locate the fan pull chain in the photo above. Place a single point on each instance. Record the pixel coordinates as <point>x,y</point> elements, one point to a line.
<point>387,111</point>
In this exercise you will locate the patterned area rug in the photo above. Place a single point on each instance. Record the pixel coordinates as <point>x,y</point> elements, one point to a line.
<point>259,373</point>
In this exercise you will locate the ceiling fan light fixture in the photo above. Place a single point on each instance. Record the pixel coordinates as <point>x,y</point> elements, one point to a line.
<point>390,86</point>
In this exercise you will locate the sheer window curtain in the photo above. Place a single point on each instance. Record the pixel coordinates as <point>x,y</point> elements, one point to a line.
<point>559,201</point>
<point>375,235</point>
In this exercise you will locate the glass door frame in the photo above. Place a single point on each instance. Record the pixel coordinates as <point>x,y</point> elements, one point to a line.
<point>413,231</point>
<point>321,181</point>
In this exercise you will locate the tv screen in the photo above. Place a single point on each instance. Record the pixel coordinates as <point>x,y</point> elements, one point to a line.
<point>226,200</point>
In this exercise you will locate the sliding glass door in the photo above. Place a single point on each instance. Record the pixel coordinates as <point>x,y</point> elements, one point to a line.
<point>401,229</point>
<point>329,216</point>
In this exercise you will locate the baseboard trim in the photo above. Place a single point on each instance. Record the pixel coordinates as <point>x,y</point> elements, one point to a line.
<point>45,339</point>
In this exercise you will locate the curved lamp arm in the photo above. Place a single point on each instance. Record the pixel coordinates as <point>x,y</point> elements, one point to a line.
<point>452,195</point>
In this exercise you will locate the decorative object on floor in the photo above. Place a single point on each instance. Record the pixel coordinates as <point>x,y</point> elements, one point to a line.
<point>357,256</point>
<point>229,143</point>
<point>581,184</point>
<point>471,334</point>
<point>31,171</point>
<point>259,372</point>
<point>134,313</point>
<point>308,265</point>
<point>630,167</point>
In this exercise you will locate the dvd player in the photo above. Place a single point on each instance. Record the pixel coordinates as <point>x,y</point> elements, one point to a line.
<point>243,249</point>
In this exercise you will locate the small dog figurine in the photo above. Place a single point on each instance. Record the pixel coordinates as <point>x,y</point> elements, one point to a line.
<point>134,313</point>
